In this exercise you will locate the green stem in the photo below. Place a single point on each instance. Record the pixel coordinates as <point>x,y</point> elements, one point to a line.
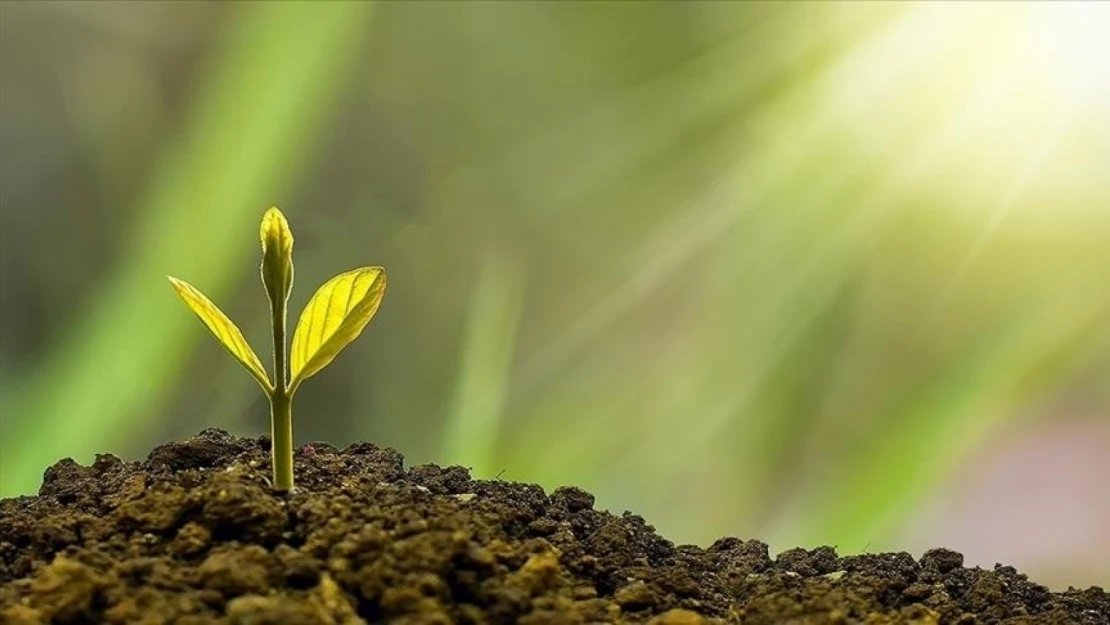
<point>281,433</point>
<point>281,402</point>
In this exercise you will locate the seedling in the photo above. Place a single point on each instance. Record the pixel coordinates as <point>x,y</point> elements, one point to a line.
<point>333,318</point>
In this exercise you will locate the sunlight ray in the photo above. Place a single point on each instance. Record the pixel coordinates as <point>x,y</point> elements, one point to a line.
<point>998,214</point>
<point>741,187</point>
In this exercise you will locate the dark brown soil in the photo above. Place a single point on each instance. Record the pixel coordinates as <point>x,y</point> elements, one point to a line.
<point>194,535</point>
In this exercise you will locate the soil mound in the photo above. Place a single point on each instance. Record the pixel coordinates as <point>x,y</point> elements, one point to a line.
<point>194,535</point>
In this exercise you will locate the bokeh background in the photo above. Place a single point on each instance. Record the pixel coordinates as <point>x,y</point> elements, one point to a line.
<point>815,273</point>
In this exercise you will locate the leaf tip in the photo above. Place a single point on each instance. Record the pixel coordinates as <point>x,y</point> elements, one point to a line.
<point>275,229</point>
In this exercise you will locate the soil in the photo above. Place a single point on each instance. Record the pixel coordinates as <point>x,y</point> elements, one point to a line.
<point>194,535</point>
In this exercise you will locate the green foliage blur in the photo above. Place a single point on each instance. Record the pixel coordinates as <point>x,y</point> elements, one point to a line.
<point>775,270</point>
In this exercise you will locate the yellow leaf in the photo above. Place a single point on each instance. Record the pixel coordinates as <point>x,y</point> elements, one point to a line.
<point>333,318</point>
<point>223,329</point>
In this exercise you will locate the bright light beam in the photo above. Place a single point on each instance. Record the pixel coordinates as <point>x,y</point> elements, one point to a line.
<point>1072,41</point>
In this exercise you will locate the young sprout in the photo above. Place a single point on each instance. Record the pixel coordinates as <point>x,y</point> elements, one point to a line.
<point>333,318</point>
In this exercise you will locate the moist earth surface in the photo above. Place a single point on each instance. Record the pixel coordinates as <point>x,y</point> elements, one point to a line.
<point>194,535</point>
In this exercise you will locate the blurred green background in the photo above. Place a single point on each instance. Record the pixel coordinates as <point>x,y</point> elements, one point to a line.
<point>815,273</point>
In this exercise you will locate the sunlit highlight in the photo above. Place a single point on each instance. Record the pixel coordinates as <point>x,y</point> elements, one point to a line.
<point>1070,43</point>
<point>1016,78</point>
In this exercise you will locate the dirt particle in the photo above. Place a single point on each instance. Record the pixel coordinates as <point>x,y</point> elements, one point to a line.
<point>191,540</point>
<point>234,571</point>
<point>941,561</point>
<point>678,616</point>
<point>64,590</point>
<point>636,596</point>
